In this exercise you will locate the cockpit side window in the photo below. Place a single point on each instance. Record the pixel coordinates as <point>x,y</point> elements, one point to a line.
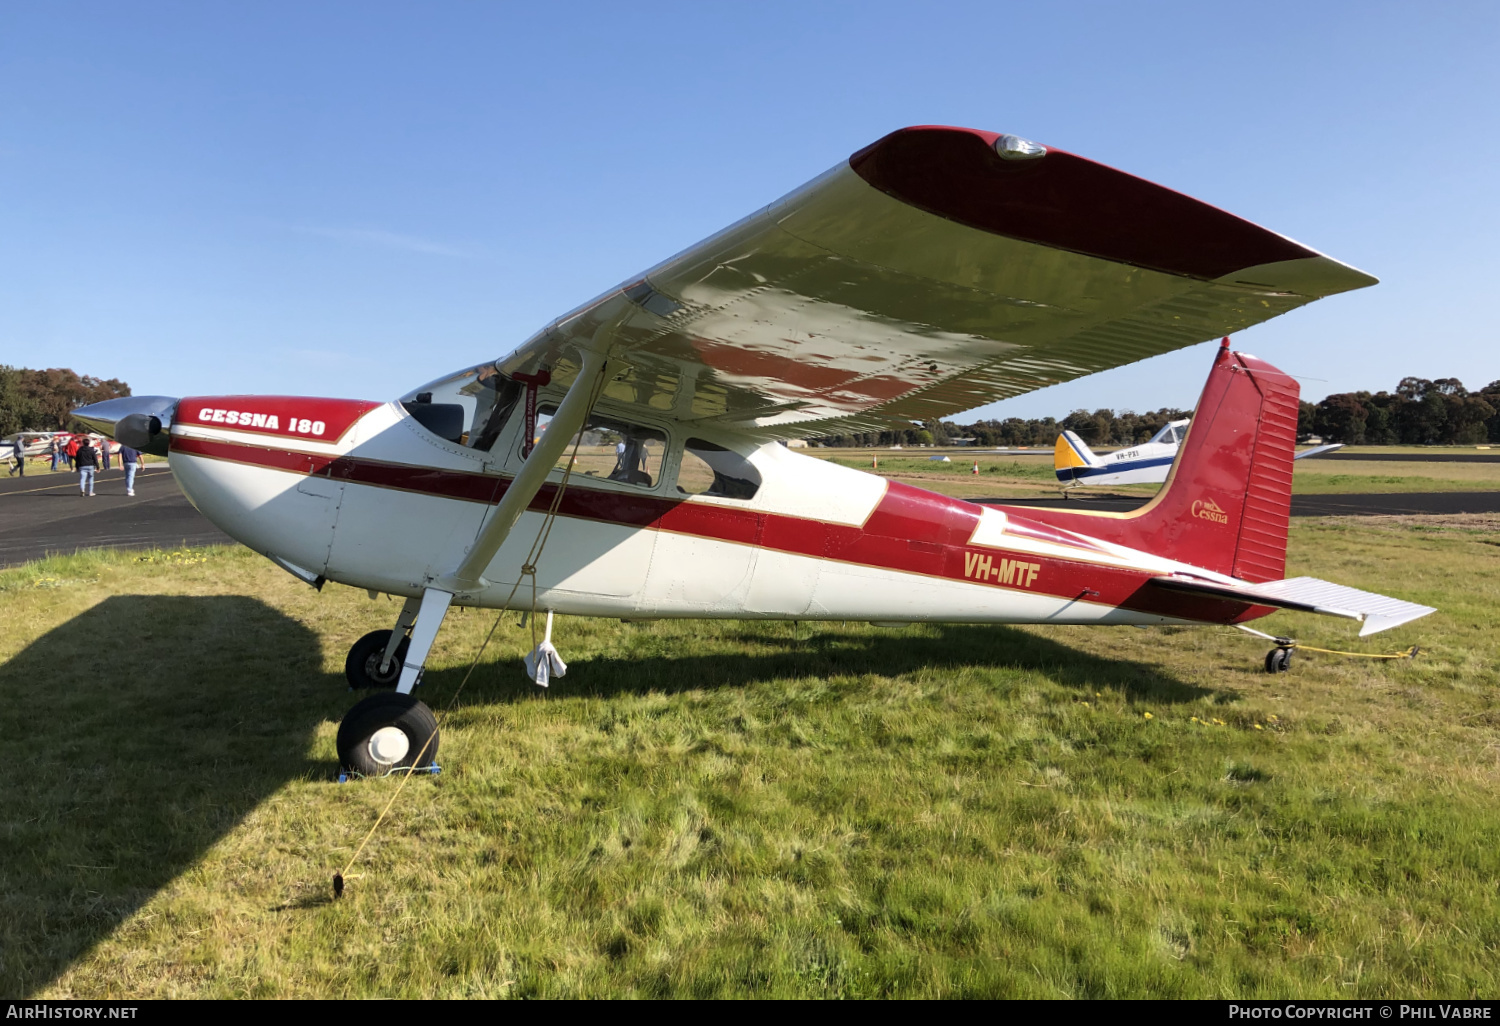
<point>469,408</point>
<point>496,404</point>
<point>712,470</point>
<point>610,450</point>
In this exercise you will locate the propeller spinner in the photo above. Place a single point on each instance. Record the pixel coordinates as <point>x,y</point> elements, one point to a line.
<point>142,422</point>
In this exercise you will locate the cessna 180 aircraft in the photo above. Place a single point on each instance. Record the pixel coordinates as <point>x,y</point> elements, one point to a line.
<point>936,270</point>
<point>1076,464</point>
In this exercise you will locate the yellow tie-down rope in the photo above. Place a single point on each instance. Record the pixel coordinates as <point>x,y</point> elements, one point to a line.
<point>528,568</point>
<point>1410,653</point>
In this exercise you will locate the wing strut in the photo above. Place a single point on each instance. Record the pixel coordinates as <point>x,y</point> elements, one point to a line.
<point>571,413</point>
<point>469,576</point>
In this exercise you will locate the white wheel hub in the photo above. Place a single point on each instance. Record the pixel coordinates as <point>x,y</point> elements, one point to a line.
<point>389,745</point>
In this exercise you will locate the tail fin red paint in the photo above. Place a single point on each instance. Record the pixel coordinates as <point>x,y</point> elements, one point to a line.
<point>1227,503</point>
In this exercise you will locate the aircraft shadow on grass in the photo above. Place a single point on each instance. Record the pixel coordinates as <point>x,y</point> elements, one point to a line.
<point>820,652</point>
<point>144,730</point>
<point>140,733</point>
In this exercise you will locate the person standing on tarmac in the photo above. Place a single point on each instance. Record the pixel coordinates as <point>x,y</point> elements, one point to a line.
<point>86,459</point>
<point>130,460</point>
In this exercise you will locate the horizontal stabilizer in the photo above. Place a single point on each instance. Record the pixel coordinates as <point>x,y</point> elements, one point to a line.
<point>1317,451</point>
<point>1308,595</point>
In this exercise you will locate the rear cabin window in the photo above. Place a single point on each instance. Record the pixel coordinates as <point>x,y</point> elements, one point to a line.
<point>709,469</point>
<point>610,450</point>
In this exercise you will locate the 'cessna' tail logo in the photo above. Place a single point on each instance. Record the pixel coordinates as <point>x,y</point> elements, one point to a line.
<point>1208,509</point>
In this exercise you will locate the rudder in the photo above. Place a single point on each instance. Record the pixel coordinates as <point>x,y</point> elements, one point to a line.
<point>1226,505</point>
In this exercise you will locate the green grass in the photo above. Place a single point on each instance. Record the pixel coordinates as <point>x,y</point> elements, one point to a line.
<point>722,808</point>
<point>1028,469</point>
<point>998,477</point>
<point>1350,476</point>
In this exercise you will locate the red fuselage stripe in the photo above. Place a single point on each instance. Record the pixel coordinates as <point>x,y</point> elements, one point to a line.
<point>910,530</point>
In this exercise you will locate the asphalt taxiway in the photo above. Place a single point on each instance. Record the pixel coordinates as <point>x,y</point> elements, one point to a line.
<point>43,514</point>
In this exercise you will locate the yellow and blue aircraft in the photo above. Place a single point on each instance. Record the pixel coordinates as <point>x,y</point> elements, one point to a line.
<point>1076,464</point>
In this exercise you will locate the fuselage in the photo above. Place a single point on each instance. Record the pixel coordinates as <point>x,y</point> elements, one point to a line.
<point>364,494</point>
<point>1147,463</point>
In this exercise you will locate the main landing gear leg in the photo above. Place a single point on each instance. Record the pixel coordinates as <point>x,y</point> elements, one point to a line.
<point>391,731</point>
<point>403,630</point>
<point>430,613</point>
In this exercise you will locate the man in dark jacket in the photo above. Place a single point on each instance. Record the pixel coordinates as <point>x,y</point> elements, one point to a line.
<point>86,459</point>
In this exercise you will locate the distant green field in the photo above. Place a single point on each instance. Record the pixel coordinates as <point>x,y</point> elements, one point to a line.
<point>1006,475</point>
<point>740,808</point>
<point>1345,476</point>
<point>1422,450</point>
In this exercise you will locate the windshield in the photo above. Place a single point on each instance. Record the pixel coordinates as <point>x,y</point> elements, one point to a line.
<point>468,408</point>
<point>1172,434</point>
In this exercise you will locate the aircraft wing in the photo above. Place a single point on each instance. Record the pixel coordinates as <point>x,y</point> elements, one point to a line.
<point>934,271</point>
<point>1317,450</point>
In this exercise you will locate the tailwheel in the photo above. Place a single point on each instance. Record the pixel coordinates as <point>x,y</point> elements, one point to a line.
<point>362,665</point>
<point>385,732</point>
<point>1278,660</point>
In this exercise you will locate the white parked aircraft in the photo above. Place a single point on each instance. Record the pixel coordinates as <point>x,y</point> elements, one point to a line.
<point>38,444</point>
<point>624,461</point>
<point>1076,464</point>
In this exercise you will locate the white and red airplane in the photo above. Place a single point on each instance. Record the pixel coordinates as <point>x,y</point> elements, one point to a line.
<point>934,271</point>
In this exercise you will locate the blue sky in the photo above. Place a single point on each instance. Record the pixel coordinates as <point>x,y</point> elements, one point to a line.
<point>350,199</point>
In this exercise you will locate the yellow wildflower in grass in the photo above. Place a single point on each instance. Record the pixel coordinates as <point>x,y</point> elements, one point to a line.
<point>1148,716</point>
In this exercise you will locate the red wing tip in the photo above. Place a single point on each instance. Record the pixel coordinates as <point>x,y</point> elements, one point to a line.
<point>1016,188</point>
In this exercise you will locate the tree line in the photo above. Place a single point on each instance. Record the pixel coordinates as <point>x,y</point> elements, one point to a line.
<point>1419,412</point>
<point>44,400</point>
<point>1100,427</point>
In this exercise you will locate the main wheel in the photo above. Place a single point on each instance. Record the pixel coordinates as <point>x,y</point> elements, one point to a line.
<point>362,664</point>
<point>1278,660</point>
<point>385,732</point>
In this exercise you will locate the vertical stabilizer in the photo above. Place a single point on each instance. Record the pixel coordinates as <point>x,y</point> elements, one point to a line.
<point>1227,502</point>
<point>1071,455</point>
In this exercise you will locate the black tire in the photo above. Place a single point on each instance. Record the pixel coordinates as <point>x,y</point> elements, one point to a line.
<point>1278,660</point>
<point>362,664</point>
<point>359,746</point>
